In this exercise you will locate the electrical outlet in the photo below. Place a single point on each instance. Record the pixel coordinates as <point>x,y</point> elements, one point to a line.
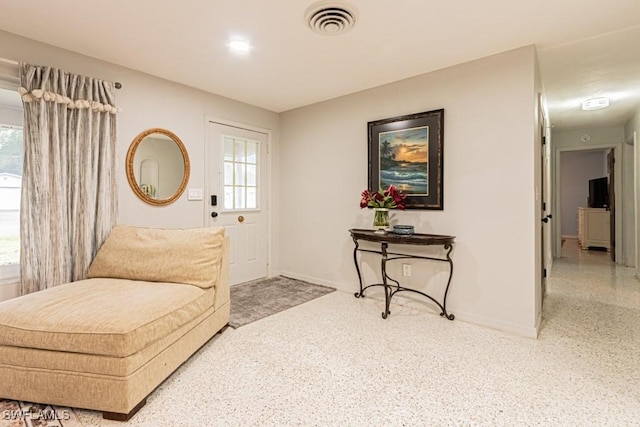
<point>406,270</point>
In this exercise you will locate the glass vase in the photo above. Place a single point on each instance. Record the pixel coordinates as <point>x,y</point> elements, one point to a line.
<point>381,219</point>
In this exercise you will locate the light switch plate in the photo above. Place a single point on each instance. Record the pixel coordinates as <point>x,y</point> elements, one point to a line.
<point>195,194</point>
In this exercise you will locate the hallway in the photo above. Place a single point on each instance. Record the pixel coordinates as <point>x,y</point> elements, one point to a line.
<point>592,308</point>
<point>589,279</point>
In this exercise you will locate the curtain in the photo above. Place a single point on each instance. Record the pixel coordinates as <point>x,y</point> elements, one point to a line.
<point>69,194</point>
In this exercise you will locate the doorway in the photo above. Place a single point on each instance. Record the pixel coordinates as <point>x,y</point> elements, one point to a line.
<point>594,161</point>
<point>237,196</point>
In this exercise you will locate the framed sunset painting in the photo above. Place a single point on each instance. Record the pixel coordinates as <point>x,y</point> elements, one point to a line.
<point>406,152</point>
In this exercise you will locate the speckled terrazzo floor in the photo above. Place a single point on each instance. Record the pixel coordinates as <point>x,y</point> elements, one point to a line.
<point>335,362</point>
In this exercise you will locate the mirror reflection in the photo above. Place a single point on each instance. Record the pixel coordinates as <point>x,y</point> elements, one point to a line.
<point>157,166</point>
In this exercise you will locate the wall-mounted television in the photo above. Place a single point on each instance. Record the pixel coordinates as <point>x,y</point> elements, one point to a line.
<point>599,193</point>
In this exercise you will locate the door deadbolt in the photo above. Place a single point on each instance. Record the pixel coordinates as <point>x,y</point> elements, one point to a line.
<point>240,218</point>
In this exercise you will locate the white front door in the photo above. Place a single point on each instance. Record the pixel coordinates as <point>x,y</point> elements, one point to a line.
<point>238,179</point>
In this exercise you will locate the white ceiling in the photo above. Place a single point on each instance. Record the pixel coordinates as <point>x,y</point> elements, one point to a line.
<point>607,65</point>
<point>290,66</point>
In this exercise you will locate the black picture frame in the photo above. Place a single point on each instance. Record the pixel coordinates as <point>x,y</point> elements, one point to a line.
<point>407,151</point>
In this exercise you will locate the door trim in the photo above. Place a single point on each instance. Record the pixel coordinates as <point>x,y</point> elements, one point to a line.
<point>208,120</point>
<point>636,214</point>
<point>620,203</point>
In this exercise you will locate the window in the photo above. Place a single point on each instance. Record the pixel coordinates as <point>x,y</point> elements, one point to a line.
<point>240,173</point>
<point>11,158</point>
<point>10,187</point>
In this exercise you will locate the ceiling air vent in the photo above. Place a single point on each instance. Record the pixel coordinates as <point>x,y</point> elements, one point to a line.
<point>331,18</point>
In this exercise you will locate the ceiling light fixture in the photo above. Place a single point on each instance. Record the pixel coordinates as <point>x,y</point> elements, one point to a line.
<point>331,18</point>
<point>239,46</point>
<point>595,103</point>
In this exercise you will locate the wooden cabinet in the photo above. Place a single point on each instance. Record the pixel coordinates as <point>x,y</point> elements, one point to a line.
<point>594,228</point>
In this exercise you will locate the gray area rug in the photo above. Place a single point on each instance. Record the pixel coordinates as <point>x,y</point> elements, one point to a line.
<point>255,300</point>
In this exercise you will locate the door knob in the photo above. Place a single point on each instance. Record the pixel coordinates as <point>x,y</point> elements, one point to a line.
<point>240,218</point>
<point>214,214</point>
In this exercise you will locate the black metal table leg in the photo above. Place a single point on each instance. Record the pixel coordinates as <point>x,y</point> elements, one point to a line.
<point>355,261</point>
<point>387,288</point>
<point>448,248</point>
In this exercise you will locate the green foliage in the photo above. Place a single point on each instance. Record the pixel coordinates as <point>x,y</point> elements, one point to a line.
<point>11,150</point>
<point>385,150</point>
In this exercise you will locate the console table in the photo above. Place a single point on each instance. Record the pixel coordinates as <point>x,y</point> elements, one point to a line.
<point>391,238</point>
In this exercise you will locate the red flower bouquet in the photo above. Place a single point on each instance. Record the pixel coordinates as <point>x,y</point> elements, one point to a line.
<point>391,198</point>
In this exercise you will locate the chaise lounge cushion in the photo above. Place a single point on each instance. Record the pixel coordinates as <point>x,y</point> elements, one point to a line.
<point>107,342</point>
<point>190,256</point>
<point>96,316</point>
<point>81,363</point>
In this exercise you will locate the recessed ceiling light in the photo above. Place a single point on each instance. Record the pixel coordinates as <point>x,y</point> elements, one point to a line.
<point>239,46</point>
<point>595,103</point>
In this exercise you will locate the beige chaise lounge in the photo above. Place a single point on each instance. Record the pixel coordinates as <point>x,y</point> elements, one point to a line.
<point>152,299</point>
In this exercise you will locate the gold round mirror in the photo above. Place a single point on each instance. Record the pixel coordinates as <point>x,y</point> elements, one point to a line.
<point>157,166</point>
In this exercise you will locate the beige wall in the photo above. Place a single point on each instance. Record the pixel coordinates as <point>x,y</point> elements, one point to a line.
<point>320,164</point>
<point>150,102</point>
<point>489,186</point>
<point>632,133</point>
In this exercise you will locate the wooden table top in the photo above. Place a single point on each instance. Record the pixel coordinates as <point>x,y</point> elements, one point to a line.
<point>411,239</point>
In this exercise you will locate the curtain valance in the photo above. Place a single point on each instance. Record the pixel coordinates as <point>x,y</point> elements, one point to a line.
<point>75,91</point>
<point>60,99</point>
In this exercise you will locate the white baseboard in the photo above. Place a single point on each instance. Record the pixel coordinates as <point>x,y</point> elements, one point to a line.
<point>347,287</point>
<point>528,332</point>
<point>523,331</point>
<point>569,237</point>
